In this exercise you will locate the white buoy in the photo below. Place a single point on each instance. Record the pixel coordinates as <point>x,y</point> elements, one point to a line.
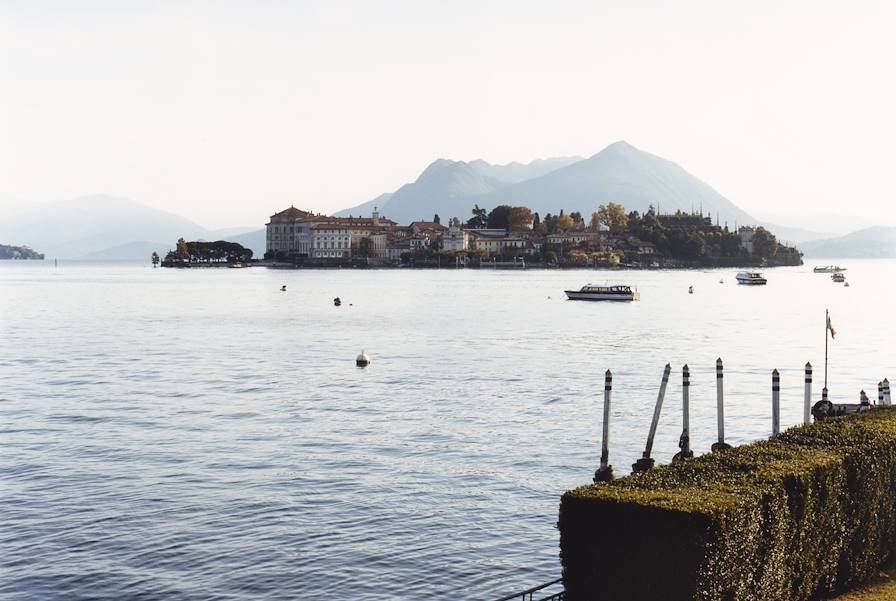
<point>363,360</point>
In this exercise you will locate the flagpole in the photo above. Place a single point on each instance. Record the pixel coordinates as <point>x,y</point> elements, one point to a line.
<point>826,321</point>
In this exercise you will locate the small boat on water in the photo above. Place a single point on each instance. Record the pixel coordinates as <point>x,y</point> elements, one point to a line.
<point>690,290</point>
<point>838,277</point>
<point>600,293</point>
<point>751,278</point>
<point>829,269</point>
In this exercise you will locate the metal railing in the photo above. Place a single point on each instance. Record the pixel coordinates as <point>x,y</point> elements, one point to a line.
<point>529,594</point>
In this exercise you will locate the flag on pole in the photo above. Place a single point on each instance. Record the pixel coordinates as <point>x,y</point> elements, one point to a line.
<point>831,328</point>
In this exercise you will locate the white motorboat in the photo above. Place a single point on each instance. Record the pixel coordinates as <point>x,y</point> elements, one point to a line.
<point>752,278</point>
<point>829,269</point>
<point>601,293</point>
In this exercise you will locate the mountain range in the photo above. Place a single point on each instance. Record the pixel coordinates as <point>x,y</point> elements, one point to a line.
<point>873,242</point>
<point>103,227</point>
<point>619,173</point>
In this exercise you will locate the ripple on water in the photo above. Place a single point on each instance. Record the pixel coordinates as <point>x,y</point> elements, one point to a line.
<point>228,448</point>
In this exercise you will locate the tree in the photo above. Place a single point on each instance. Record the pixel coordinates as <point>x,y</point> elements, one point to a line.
<point>520,219</point>
<point>536,221</point>
<point>765,245</point>
<point>436,219</point>
<point>563,223</point>
<point>182,250</point>
<point>614,217</point>
<point>479,218</point>
<point>454,222</point>
<point>577,218</point>
<point>499,217</point>
<point>155,259</point>
<point>595,222</point>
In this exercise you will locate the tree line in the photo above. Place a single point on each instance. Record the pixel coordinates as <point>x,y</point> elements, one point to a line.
<point>679,235</point>
<point>219,251</point>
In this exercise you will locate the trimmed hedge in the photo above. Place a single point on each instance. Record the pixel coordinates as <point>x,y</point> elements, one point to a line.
<point>809,513</point>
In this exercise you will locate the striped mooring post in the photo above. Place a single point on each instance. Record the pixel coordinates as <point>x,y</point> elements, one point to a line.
<point>646,462</point>
<point>684,443</point>
<point>605,472</point>
<point>807,402</point>
<point>887,399</point>
<point>776,403</point>
<point>720,444</point>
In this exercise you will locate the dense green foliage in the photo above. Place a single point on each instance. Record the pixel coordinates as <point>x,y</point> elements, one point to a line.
<point>806,514</point>
<point>19,252</point>
<point>219,251</point>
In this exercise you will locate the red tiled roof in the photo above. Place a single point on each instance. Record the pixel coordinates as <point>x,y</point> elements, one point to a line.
<point>292,213</point>
<point>428,225</point>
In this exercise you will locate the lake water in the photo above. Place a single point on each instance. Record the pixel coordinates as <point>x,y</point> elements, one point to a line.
<point>198,434</point>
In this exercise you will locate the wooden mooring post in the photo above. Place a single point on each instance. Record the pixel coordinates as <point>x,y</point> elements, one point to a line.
<point>776,403</point>
<point>720,444</point>
<point>605,472</point>
<point>646,462</point>
<point>807,402</point>
<point>684,443</point>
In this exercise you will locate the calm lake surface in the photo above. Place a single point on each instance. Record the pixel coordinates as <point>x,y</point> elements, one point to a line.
<point>198,434</point>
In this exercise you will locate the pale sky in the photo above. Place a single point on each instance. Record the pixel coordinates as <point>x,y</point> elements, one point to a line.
<point>225,112</point>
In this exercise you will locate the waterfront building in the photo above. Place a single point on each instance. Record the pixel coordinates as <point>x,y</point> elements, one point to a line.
<point>499,241</point>
<point>745,233</point>
<point>294,233</point>
<point>455,240</point>
<point>282,231</point>
<point>574,238</point>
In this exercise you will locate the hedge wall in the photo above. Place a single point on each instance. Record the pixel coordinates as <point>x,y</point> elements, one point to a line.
<point>807,514</point>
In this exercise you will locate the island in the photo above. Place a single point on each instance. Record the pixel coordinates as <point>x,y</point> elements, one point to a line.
<point>516,237</point>
<point>19,252</point>
<point>206,254</point>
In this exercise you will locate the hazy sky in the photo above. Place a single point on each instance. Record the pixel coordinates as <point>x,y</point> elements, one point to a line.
<point>227,111</point>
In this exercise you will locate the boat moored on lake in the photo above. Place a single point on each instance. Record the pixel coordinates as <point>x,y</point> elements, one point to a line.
<point>838,277</point>
<point>604,293</point>
<point>751,278</point>
<point>829,269</point>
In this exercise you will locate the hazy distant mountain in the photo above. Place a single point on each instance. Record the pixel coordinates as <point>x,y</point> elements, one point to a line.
<point>446,185</point>
<point>872,242</point>
<point>132,251</point>
<point>830,225</point>
<point>619,173</point>
<point>366,208</point>
<point>141,250</point>
<point>90,224</point>
<point>623,174</point>
<point>795,235</point>
<point>256,240</point>
<point>513,173</point>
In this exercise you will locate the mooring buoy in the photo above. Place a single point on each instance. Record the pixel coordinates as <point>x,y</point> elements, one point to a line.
<point>363,360</point>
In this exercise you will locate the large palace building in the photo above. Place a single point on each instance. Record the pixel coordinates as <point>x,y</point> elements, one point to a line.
<point>295,233</point>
